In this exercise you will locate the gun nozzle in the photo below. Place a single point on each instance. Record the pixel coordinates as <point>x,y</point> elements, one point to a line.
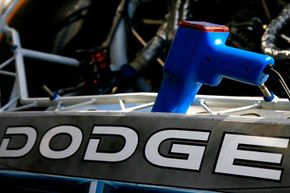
<point>268,96</point>
<point>265,90</point>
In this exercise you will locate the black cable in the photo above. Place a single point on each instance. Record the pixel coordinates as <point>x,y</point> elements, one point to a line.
<point>179,11</point>
<point>270,70</point>
<point>116,20</point>
<point>269,39</point>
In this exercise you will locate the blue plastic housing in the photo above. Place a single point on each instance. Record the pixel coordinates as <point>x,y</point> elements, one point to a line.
<point>199,56</point>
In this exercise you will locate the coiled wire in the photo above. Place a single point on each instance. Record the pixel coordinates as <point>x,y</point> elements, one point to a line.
<point>269,37</point>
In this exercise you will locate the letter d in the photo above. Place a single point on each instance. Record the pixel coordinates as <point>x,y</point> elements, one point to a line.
<point>29,133</point>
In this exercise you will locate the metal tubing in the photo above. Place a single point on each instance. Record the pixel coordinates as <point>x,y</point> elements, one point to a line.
<point>100,99</point>
<point>93,186</point>
<point>244,108</point>
<point>24,107</point>
<point>138,107</point>
<point>118,47</point>
<point>5,15</point>
<point>122,104</point>
<point>19,63</point>
<point>49,57</point>
<point>9,9</point>
<point>7,105</point>
<point>116,21</point>
<point>7,73</point>
<point>6,62</point>
<point>14,94</point>
<point>206,108</point>
<point>218,101</point>
<point>77,105</point>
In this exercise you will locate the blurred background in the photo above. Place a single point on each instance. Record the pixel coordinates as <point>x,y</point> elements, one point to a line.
<point>108,37</point>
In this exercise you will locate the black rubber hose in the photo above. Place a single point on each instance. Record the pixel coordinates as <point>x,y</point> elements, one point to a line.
<point>269,38</point>
<point>164,35</point>
<point>151,51</point>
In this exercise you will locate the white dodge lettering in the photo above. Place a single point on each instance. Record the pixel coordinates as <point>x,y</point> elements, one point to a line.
<point>76,140</point>
<point>29,132</point>
<point>131,142</point>
<point>236,156</point>
<point>229,152</point>
<point>194,152</point>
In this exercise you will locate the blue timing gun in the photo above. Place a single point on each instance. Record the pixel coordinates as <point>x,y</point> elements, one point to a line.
<point>199,56</point>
